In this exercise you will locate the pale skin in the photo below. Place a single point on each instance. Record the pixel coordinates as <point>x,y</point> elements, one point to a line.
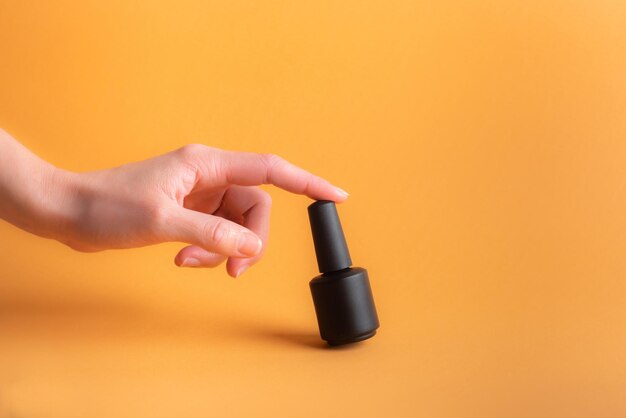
<point>206,197</point>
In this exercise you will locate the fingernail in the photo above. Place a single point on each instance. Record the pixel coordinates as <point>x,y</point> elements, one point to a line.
<point>249,244</point>
<point>241,270</point>
<point>190,262</point>
<point>342,192</point>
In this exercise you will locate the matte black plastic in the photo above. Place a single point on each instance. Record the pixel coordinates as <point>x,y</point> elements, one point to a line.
<point>342,295</point>
<point>330,244</point>
<point>344,306</point>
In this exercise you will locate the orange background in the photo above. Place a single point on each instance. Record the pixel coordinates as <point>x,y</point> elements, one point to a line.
<point>484,147</point>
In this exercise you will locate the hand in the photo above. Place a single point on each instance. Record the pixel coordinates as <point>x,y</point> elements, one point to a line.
<point>203,196</point>
<point>199,195</point>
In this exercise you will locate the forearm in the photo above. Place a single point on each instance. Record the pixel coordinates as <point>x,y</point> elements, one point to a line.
<point>34,195</point>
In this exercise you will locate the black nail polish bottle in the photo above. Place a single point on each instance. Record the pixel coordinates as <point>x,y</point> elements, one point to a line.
<point>341,294</point>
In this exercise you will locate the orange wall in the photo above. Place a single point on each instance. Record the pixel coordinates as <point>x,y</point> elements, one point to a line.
<point>484,147</point>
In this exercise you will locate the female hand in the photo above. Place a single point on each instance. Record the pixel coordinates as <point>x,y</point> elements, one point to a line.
<point>199,195</point>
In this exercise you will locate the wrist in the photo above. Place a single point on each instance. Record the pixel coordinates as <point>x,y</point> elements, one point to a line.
<point>58,207</point>
<point>35,195</point>
<point>48,202</point>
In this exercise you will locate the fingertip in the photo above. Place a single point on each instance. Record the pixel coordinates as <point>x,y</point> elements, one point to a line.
<point>233,268</point>
<point>241,270</point>
<point>341,193</point>
<point>178,260</point>
<point>334,194</point>
<point>236,266</point>
<point>191,262</point>
<point>250,244</point>
<point>193,256</point>
<point>340,199</point>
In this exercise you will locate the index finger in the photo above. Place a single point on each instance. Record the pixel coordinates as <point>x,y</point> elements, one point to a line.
<point>252,169</point>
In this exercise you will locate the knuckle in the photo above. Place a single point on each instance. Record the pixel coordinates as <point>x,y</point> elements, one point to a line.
<point>190,151</point>
<point>200,157</point>
<point>271,161</point>
<point>305,184</point>
<point>217,233</point>
<point>312,183</point>
<point>265,198</point>
<point>156,214</point>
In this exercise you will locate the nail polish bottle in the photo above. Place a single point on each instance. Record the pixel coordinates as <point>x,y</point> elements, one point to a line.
<point>341,294</point>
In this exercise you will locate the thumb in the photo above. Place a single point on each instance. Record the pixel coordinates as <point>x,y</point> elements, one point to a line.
<point>213,233</point>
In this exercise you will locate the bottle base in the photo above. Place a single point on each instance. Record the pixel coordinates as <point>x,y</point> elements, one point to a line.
<point>352,340</point>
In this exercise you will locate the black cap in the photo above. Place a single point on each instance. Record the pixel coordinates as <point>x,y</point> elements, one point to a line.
<point>330,244</point>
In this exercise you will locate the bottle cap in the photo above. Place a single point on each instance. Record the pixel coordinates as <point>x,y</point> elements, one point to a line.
<point>330,244</point>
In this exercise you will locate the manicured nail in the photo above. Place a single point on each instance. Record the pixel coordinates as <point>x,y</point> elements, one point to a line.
<point>249,244</point>
<point>191,262</point>
<point>342,192</point>
<point>241,270</point>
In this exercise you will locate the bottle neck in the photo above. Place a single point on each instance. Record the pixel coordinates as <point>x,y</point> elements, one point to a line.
<point>330,273</point>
